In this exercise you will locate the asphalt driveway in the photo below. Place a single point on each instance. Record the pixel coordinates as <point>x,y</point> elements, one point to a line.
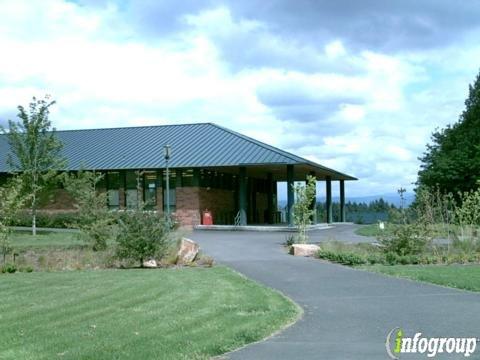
<point>348,312</point>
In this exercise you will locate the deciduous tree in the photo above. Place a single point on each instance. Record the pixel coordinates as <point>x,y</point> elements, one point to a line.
<point>452,160</point>
<point>35,150</point>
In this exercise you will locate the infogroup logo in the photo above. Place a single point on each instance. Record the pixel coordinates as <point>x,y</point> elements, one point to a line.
<point>397,343</point>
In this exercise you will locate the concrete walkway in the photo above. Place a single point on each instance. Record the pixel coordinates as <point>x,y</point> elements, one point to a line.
<point>348,313</point>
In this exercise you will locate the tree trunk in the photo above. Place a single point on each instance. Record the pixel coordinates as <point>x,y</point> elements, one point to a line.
<point>34,214</point>
<point>34,224</point>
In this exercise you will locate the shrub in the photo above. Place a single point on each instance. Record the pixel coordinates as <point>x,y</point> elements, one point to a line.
<point>373,259</point>
<point>289,240</point>
<point>8,269</point>
<point>142,235</point>
<point>27,269</point>
<point>94,220</point>
<point>345,258</point>
<point>47,220</point>
<point>408,239</point>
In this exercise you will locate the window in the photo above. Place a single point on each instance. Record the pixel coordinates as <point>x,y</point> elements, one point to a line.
<point>102,183</point>
<point>113,184</point>
<point>172,196</point>
<point>150,190</point>
<point>133,181</point>
<point>131,198</point>
<point>187,177</point>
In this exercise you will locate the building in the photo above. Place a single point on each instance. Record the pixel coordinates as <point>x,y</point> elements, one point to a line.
<point>211,167</point>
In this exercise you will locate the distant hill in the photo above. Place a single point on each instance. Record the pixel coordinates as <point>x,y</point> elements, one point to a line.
<point>392,198</point>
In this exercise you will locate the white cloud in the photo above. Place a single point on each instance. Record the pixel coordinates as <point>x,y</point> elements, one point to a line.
<point>361,112</point>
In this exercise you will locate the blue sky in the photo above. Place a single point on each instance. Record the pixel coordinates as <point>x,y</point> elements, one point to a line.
<point>357,86</point>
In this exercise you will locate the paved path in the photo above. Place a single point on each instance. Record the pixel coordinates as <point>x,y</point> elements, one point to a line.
<point>340,232</point>
<point>348,313</point>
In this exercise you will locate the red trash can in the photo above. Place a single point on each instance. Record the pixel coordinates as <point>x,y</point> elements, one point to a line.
<point>207,218</point>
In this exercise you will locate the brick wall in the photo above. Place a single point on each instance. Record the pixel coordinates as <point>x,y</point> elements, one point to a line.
<point>220,202</point>
<point>57,200</point>
<point>188,206</point>
<point>192,201</point>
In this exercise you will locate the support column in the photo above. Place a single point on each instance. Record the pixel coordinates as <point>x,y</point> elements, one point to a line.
<point>329,199</point>
<point>196,178</point>
<point>242,195</point>
<point>159,190</point>
<point>290,194</point>
<point>342,201</point>
<point>313,205</point>
<point>270,198</point>
<point>253,193</point>
<point>122,190</point>
<point>178,178</point>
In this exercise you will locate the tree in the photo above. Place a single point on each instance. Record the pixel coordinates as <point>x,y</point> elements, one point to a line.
<point>142,234</point>
<point>452,160</point>
<point>34,150</point>
<point>94,220</point>
<point>11,201</point>
<point>302,211</point>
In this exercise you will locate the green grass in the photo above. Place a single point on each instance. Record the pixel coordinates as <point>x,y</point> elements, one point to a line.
<point>458,276</point>
<point>438,230</point>
<point>188,313</point>
<point>23,240</point>
<point>371,230</point>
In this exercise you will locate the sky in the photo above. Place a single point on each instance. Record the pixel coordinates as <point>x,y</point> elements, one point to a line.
<point>358,86</point>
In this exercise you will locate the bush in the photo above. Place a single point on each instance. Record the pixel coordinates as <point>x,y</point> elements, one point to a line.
<point>8,269</point>
<point>289,240</point>
<point>345,258</point>
<point>27,269</point>
<point>47,220</point>
<point>142,235</point>
<point>98,232</point>
<point>408,239</point>
<point>373,259</point>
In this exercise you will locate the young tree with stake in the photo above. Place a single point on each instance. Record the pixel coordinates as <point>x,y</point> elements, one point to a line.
<point>34,150</point>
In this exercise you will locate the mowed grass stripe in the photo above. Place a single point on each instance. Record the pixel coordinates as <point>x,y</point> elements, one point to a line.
<point>465,277</point>
<point>130,314</point>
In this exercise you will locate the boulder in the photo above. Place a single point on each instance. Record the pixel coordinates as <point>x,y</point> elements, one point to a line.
<point>150,263</point>
<point>188,251</point>
<point>305,249</point>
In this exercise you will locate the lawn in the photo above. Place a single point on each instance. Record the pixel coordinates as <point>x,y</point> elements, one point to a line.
<point>372,230</point>
<point>23,240</point>
<point>439,230</point>
<point>187,313</point>
<point>459,276</point>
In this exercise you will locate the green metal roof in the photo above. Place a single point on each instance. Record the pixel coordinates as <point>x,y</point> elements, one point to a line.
<point>193,145</point>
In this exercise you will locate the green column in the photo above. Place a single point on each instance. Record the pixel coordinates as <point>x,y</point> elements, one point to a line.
<point>342,200</point>
<point>178,178</point>
<point>196,177</point>
<point>329,199</point>
<point>313,205</point>
<point>242,195</point>
<point>270,205</point>
<point>159,190</point>
<point>290,194</point>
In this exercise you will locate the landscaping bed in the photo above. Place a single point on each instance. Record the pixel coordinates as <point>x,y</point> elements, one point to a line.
<point>60,251</point>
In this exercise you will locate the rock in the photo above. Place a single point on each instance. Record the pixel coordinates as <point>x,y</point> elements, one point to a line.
<point>305,249</point>
<point>150,264</point>
<point>188,251</point>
